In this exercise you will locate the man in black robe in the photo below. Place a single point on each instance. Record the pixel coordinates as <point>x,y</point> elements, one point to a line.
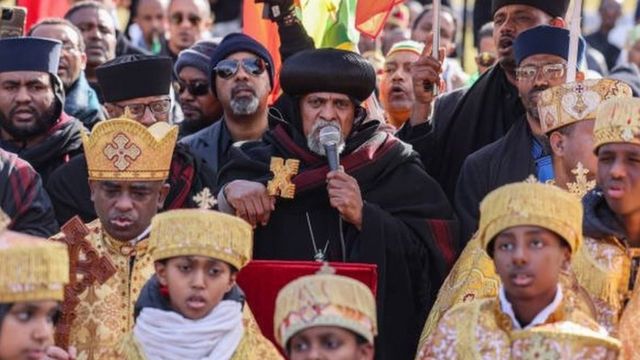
<point>468,119</point>
<point>136,86</point>
<point>32,121</point>
<point>541,55</point>
<point>23,198</point>
<point>381,207</point>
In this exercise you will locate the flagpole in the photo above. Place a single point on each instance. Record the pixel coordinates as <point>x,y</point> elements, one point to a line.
<point>574,37</point>
<point>435,49</point>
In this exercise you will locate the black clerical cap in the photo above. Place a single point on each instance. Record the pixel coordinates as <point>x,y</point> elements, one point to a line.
<point>555,8</point>
<point>328,70</point>
<point>134,76</point>
<point>545,39</point>
<point>30,54</point>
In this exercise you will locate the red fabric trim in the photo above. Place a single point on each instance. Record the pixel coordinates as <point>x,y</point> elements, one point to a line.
<point>62,120</point>
<point>261,280</point>
<point>352,162</point>
<point>444,240</point>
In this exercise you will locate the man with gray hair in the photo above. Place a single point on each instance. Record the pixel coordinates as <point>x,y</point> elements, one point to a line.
<point>241,79</point>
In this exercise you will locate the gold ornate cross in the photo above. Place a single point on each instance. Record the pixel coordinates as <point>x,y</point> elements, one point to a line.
<point>119,151</point>
<point>205,199</point>
<point>582,185</point>
<point>281,184</point>
<point>87,266</point>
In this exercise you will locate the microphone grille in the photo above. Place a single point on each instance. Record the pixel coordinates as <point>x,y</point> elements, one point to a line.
<point>329,135</point>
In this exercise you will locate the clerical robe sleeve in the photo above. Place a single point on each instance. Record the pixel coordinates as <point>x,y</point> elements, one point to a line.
<point>470,190</point>
<point>24,199</point>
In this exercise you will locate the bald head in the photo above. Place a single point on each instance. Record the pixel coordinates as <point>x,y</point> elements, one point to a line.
<point>189,20</point>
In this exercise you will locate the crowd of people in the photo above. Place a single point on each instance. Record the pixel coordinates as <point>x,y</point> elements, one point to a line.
<point>142,171</point>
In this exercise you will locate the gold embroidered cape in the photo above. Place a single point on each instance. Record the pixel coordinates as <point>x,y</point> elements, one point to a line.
<point>473,277</point>
<point>480,330</point>
<point>253,346</point>
<point>603,267</point>
<point>105,312</point>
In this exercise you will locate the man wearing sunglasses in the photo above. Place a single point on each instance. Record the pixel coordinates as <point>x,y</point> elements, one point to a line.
<point>241,80</point>
<point>541,57</point>
<point>136,87</point>
<point>189,21</point>
<point>381,207</point>
<point>199,107</point>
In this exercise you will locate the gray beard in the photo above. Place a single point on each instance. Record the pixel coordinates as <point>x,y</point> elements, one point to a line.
<point>313,139</point>
<point>244,105</point>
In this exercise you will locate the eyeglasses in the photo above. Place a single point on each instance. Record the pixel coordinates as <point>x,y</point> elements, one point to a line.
<point>194,88</point>
<point>178,18</point>
<point>549,72</point>
<point>228,68</point>
<point>136,111</point>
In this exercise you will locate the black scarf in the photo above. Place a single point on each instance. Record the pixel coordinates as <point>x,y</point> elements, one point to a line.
<point>599,220</point>
<point>64,138</point>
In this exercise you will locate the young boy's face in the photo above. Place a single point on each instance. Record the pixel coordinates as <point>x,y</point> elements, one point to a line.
<point>27,330</point>
<point>196,283</point>
<point>529,260</point>
<point>328,343</point>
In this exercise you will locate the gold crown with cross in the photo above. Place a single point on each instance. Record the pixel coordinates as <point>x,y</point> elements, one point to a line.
<point>618,121</point>
<point>569,103</point>
<point>124,149</point>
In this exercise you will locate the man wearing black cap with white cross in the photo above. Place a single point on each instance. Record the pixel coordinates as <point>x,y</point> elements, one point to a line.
<point>463,121</point>
<point>137,87</point>
<point>380,207</point>
<point>32,121</point>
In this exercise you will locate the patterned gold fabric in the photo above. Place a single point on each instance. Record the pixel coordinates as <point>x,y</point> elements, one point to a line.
<point>618,121</point>
<point>532,204</point>
<point>473,277</point>
<point>31,268</point>
<point>201,232</point>
<point>603,268</point>
<point>123,149</point>
<point>105,312</point>
<point>480,330</point>
<point>253,346</point>
<point>324,300</point>
<point>4,221</point>
<point>572,102</point>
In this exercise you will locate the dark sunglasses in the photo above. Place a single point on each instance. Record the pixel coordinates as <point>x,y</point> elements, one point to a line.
<point>227,68</point>
<point>178,18</point>
<point>195,88</point>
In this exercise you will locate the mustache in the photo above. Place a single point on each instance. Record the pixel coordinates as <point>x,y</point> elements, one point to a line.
<point>21,108</point>
<point>241,87</point>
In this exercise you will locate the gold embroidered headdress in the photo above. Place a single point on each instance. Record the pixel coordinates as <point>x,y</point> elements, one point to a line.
<point>576,101</point>
<point>324,300</point>
<point>124,149</point>
<point>31,268</point>
<point>198,232</point>
<point>618,121</point>
<point>532,204</point>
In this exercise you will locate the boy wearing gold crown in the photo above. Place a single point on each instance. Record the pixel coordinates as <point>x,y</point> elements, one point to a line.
<point>326,316</point>
<point>192,308</point>
<point>33,272</point>
<point>127,164</point>
<point>567,114</point>
<point>607,265</point>
<point>530,230</point>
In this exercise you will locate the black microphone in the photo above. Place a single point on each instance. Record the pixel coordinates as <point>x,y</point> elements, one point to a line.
<point>329,139</point>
